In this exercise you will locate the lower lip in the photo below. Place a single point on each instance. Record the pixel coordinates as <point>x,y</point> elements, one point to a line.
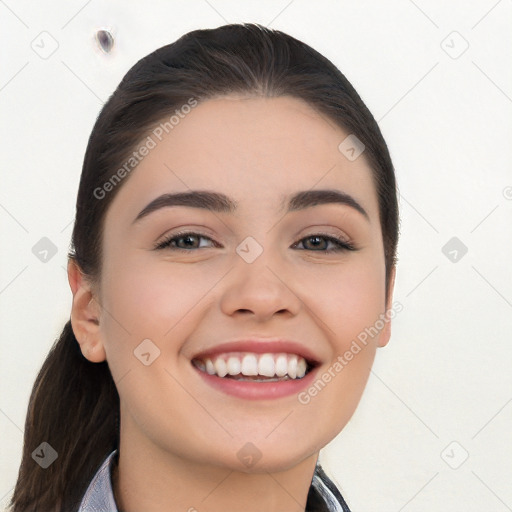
<point>258,390</point>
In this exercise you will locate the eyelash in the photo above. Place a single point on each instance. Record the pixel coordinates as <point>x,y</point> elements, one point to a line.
<point>341,245</point>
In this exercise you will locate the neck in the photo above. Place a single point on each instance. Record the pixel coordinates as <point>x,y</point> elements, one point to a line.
<point>156,481</point>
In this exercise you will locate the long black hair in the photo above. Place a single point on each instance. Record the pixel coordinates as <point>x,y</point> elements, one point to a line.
<point>74,403</point>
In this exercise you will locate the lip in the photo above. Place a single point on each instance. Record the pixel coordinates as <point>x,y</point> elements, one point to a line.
<point>261,346</point>
<point>260,390</point>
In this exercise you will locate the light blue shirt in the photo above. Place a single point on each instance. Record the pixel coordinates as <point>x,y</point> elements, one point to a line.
<point>99,496</point>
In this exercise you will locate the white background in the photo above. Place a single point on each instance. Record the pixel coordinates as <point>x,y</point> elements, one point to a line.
<point>446,374</point>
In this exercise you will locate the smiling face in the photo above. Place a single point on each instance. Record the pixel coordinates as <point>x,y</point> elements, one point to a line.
<point>254,266</point>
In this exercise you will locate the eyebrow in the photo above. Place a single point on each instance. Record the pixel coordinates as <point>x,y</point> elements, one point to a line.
<point>217,202</point>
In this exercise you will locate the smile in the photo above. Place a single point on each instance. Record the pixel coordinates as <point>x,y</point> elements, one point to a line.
<point>254,367</point>
<point>257,368</point>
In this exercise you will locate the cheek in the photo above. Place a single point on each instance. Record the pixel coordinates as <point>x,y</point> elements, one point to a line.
<point>150,297</point>
<point>349,301</point>
<point>349,298</point>
<point>155,300</point>
<point>335,393</point>
<point>354,301</point>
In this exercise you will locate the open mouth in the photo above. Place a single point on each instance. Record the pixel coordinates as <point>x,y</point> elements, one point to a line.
<point>254,367</point>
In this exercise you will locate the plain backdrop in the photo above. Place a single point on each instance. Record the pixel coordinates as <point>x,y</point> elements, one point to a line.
<point>432,431</point>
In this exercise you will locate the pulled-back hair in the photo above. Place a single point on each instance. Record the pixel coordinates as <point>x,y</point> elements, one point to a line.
<point>74,404</point>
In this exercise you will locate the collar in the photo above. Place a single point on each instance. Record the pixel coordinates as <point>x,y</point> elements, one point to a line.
<point>99,496</point>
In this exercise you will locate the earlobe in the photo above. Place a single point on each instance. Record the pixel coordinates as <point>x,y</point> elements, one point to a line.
<point>385,334</point>
<point>85,315</point>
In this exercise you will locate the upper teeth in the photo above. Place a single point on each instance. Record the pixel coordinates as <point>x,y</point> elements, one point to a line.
<point>251,364</point>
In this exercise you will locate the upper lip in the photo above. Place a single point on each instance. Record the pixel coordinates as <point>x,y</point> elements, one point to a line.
<point>261,346</point>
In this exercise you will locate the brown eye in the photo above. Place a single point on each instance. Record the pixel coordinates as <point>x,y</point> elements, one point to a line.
<point>318,243</point>
<point>183,241</point>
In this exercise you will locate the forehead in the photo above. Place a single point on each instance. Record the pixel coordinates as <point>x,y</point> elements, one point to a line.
<point>256,150</point>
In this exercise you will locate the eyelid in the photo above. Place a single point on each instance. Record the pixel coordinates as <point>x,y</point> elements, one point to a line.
<point>184,230</point>
<point>329,232</point>
<point>165,241</point>
<point>342,242</point>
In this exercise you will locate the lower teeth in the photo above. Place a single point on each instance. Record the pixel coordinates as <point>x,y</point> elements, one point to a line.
<point>249,379</point>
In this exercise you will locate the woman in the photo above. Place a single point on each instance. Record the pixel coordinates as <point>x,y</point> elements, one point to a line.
<point>207,377</point>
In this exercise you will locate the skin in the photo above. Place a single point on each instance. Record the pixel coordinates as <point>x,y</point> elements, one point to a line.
<point>180,437</point>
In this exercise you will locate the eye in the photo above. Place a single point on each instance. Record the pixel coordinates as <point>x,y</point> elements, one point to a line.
<point>188,241</point>
<point>315,243</point>
<point>182,241</point>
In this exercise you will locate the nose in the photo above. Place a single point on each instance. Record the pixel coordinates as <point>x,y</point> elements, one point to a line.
<point>259,290</point>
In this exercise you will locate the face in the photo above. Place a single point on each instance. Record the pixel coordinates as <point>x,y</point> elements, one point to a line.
<point>188,293</point>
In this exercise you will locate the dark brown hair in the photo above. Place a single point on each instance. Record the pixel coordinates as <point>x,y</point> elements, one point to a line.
<point>74,404</point>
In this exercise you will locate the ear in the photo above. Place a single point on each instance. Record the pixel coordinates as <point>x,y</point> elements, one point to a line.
<point>85,314</point>
<point>385,334</point>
